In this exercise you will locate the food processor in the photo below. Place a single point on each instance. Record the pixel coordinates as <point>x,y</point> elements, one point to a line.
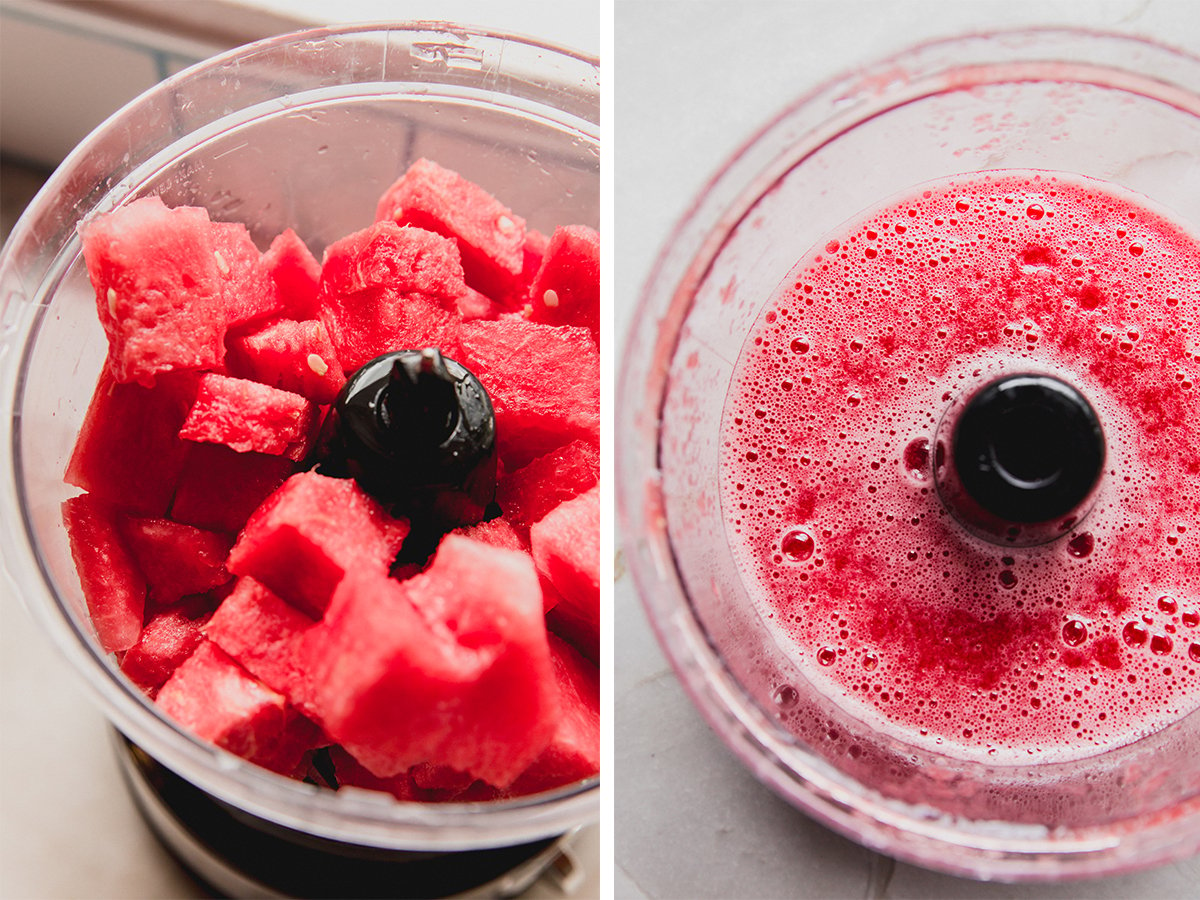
<point>1117,108</point>
<point>301,131</point>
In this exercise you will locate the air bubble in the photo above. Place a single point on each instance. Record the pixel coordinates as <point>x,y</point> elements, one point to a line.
<point>1074,632</point>
<point>797,545</point>
<point>916,459</point>
<point>1035,211</point>
<point>1161,644</point>
<point>1081,545</point>
<point>1135,634</point>
<point>786,696</point>
<point>1168,604</point>
<point>827,656</point>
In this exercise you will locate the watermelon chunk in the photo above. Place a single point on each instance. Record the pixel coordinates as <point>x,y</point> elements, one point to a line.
<point>309,533</point>
<point>566,548</point>
<point>544,382</point>
<point>574,751</point>
<point>262,633</point>
<point>296,273</point>
<point>292,356</point>
<point>128,451</point>
<point>176,559</point>
<point>248,292</point>
<point>158,288</point>
<point>349,772</point>
<point>490,236</point>
<point>113,585</point>
<point>389,288</point>
<point>218,701</point>
<point>527,494</point>
<point>566,290</point>
<point>451,667</point>
<point>245,415</point>
<point>219,488</point>
<point>165,642</point>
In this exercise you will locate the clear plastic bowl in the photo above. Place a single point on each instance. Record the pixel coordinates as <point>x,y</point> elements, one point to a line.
<point>1116,108</point>
<point>302,131</point>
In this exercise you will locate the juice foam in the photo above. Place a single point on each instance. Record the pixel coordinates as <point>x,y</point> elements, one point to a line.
<point>827,471</point>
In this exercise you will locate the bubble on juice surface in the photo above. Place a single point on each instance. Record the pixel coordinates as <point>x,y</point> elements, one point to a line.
<point>797,545</point>
<point>1081,545</point>
<point>786,696</point>
<point>1074,632</point>
<point>916,459</point>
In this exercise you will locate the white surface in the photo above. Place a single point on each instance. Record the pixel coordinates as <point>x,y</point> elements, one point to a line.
<point>68,829</point>
<point>693,81</point>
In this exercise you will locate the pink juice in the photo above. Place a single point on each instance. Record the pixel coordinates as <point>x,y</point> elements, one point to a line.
<point>906,619</point>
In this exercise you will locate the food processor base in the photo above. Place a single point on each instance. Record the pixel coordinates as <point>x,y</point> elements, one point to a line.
<point>240,855</point>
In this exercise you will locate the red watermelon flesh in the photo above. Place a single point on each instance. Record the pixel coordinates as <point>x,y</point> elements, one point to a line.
<point>165,642</point>
<point>450,667</point>
<point>309,533</point>
<point>566,548</point>
<point>349,772</point>
<point>113,585</point>
<point>292,356</point>
<point>527,494</point>
<point>158,288</point>
<point>490,236</point>
<point>262,632</point>
<point>576,628</point>
<point>574,751</point>
<point>217,700</point>
<point>544,382</point>
<point>474,305</point>
<point>128,451</point>
<point>389,288</point>
<point>176,559</point>
<point>248,292</point>
<point>497,532</point>
<point>245,415</point>
<point>219,488</point>
<point>296,273</point>
<point>566,290</point>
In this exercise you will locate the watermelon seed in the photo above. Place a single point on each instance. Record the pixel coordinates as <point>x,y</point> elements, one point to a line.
<point>318,365</point>
<point>550,298</point>
<point>505,224</point>
<point>221,264</point>
<point>112,303</point>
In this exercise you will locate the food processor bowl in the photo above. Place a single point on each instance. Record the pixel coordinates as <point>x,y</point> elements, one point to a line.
<point>1116,108</point>
<point>301,131</point>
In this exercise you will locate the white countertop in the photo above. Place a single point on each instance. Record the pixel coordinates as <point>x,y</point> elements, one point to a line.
<point>693,81</point>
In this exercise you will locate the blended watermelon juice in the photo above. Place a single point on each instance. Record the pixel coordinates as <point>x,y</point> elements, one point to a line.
<point>831,454</point>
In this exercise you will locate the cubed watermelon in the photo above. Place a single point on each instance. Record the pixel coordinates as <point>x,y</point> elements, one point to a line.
<point>262,632</point>
<point>525,495</point>
<point>245,415</point>
<point>113,585</point>
<point>158,288</point>
<point>389,288</point>
<point>293,356</point>
<point>176,559</point>
<point>566,290</point>
<point>309,533</point>
<point>574,751</point>
<point>296,273</point>
<point>248,292</point>
<point>128,451</point>
<point>566,548</point>
<point>165,642</point>
<point>219,488</point>
<point>490,236</point>
<point>450,667</point>
<point>218,701</point>
<point>544,382</point>
<point>349,772</point>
